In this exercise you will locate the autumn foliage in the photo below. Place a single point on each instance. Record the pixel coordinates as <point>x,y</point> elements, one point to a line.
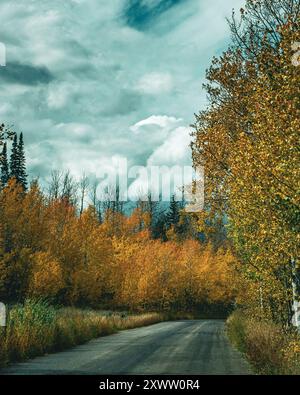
<point>50,251</point>
<point>248,142</point>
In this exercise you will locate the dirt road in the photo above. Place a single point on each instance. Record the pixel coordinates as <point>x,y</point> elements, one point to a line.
<point>178,347</point>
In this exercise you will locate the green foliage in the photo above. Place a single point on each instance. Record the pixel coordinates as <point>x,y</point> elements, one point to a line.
<point>30,330</point>
<point>14,159</point>
<point>17,161</point>
<point>4,168</point>
<point>22,175</point>
<point>173,215</point>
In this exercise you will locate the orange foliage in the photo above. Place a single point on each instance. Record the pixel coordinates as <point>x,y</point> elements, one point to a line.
<point>49,251</point>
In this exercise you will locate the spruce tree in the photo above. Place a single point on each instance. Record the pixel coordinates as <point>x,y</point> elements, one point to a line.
<point>22,175</point>
<point>4,166</point>
<point>174,212</point>
<point>160,227</point>
<point>17,161</point>
<point>14,159</point>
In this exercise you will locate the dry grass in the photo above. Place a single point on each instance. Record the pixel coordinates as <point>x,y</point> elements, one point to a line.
<point>37,328</point>
<point>268,348</point>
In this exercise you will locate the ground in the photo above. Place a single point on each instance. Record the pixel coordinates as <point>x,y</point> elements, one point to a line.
<point>178,347</point>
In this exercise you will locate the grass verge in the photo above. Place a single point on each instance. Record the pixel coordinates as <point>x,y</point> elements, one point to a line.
<point>269,349</point>
<point>36,328</point>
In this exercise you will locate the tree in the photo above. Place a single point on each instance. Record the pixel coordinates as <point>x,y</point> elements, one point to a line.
<point>247,140</point>
<point>160,225</point>
<point>173,217</point>
<point>22,175</point>
<point>62,186</point>
<point>18,162</point>
<point>69,189</point>
<point>96,203</point>
<point>5,133</point>
<point>83,185</point>
<point>174,212</point>
<point>14,251</point>
<point>54,185</point>
<point>14,164</point>
<point>46,276</point>
<point>4,166</point>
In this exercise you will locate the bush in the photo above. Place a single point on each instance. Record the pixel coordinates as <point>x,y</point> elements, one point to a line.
<point>236,328</point>
<point>269,348</point>
<point>30,330</point>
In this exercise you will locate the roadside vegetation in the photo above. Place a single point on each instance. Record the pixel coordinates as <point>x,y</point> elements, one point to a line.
<point>248,142</point>
<point>36,328</point>
<point>269,349</point>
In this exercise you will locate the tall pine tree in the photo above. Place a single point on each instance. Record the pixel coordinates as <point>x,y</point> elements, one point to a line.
<point>174,212</point>
<point>17,161</point>
<point>4,166</point>
<point>14,159</point>
<point>22,175</point>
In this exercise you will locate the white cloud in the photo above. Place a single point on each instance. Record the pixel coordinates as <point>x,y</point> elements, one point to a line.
<point>58,95</point>
<point>153,131</point>
<point>75,131</point>
<point>175,150</point>
<point>108,79</point>
<point>161,121</point>
<point>155,83</point>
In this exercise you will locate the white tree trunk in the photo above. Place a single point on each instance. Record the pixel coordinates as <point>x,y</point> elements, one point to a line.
<point>296,309</point>
<point>296,304</point>
<point>2,314</point>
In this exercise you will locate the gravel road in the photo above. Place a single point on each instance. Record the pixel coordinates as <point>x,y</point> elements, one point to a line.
<point>177,347</point>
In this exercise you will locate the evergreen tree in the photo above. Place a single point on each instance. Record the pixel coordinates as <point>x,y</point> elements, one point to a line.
<point>174,212</point>
<point>159,227</point>
<point>22,175</point>
<point>4,166</point>
<point>14,159</point>
<point>17,161</point>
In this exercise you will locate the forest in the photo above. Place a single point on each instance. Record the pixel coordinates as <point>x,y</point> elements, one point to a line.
<point>99,256</point>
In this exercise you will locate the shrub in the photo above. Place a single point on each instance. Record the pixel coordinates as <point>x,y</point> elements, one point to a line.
<point>269,348</point>
<point>30,330</point>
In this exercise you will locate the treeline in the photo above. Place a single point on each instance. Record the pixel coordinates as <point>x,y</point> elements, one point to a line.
<point>49,250</point>
<point>164,217</point>
<point>248,141</point>
<point>16,166</point>
<point>71,247</point>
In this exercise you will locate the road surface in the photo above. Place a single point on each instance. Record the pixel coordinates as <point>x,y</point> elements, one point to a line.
<point>178,347</point>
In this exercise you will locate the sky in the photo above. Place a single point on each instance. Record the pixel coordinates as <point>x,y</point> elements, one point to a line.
<point>93,82</point>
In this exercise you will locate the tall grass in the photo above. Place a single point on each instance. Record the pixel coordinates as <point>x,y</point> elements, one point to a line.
<point>36,328</point>
<point>269,348</point>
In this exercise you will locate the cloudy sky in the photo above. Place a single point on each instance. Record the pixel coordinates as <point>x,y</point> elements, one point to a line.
<point>90,82</point>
